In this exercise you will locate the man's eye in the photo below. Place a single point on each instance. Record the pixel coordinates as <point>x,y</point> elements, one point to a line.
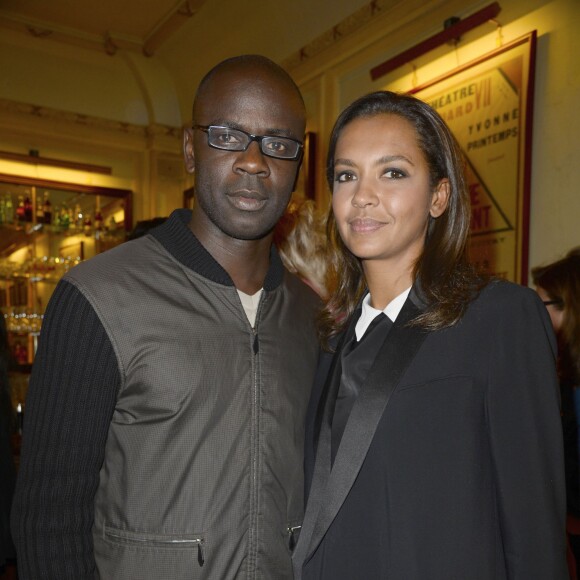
<point>227,138</point>
<point>277,146</point>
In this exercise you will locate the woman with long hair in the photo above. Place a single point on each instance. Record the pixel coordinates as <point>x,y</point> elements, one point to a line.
<point>433,439</point>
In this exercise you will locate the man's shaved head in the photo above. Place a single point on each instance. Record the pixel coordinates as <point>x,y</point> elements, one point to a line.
<point>251,65</point>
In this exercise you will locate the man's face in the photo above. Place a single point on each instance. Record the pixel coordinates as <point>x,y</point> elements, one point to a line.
<point>242,194</point>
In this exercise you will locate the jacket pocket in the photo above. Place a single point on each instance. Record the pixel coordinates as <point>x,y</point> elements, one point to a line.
<point>292,533</point>
<point>152,542</point>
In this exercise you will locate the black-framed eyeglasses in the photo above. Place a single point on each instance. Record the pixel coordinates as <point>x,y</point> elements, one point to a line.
<point>229,139</point>
<point>556,302</point>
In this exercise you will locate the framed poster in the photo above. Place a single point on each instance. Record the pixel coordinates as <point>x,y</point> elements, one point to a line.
<point>488,104</point>
<point>306,180</point>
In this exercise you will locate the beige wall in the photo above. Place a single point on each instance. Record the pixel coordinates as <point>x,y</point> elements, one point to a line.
<point>124,112</point>
<point>81,105</point>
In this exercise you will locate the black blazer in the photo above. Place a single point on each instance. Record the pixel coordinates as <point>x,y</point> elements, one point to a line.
<point>451,463</point>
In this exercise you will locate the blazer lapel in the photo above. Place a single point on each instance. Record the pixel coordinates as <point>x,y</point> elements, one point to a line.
<point>330,488</point>
<point>322,434</point>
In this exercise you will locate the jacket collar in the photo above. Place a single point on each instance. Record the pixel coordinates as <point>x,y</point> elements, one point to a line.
<point>176,237</point>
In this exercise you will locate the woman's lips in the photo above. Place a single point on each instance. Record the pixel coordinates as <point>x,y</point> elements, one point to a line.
<point>365,225</point>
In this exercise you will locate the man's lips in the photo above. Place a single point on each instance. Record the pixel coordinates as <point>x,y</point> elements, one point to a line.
<point>247,200</point>
<point>365,225</point>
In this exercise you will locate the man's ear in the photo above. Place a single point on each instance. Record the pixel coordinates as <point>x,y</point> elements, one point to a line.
<point>440,198</point>
<point>188,154</point>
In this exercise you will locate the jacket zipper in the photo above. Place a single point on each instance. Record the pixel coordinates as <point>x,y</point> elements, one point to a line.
<point>255,446</point>
<point>292,536</point>
<point>176,542</point>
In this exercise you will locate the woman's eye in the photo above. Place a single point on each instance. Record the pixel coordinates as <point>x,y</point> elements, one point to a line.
<point>344,176</point>
<point>395,174</point>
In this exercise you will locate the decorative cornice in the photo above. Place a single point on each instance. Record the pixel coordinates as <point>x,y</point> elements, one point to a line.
<point>33,158</point>
<point>108,42</point>
<point>331,37</point>
<point>26,109</point>
<point>170,24</point>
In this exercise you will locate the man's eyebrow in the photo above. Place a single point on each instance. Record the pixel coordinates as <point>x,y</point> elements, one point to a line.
<point>281,133</point>
<point>273,131</point>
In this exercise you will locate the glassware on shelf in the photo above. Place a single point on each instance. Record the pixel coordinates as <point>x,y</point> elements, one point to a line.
<point>20,320</point>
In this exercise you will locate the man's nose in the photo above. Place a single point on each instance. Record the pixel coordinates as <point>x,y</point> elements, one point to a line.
<point>252,160</point>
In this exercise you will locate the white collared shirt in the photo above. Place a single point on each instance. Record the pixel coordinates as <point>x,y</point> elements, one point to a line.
<point>369,313</point>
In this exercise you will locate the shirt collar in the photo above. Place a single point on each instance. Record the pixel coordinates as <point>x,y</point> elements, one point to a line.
<point>369,313</point>
<point>176,237</point>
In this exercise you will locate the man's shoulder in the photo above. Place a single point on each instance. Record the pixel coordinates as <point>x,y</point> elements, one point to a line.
<point>109,265</point>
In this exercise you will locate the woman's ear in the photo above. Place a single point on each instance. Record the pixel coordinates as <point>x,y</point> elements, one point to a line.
<point>440,198</point>
<point>188,154</point>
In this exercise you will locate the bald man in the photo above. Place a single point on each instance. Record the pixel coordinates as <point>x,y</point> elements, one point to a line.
<point>165,412</point>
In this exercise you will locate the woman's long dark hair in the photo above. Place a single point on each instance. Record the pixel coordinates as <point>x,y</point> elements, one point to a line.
<point>561,281</point>
<point>448,282</point>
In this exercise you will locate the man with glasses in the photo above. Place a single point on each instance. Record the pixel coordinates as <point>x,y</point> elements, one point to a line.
<point>166,408</point>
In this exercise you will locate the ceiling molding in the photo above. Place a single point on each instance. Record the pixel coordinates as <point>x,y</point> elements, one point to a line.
<point>167,27</point>
<point>109,42</point>
<point>156,130</point>
<point>331,37</point>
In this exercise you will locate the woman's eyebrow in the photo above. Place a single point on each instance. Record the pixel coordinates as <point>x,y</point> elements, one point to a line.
<point>391,158</point>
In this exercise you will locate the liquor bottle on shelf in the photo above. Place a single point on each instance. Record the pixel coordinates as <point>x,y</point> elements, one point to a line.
<point>27,209</point>
<point>20,353</point>
<point>39,212</point>
<point>65,217</point>
<point>88,225</point>
<point>77,221</point>
<point>56,226</point>
<point>20,213</point>
<point>98,220</point>
<point>2,210</point>
<point>9,209</point>
<point>47,208</point>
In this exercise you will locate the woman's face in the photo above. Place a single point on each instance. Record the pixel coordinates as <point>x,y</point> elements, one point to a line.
<point>382,198</point>
<point>555,311</point>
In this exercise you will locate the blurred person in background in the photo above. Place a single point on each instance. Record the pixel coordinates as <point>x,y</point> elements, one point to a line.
<point>301,240</point>
<point>7,470</point>
<point>558,285</point>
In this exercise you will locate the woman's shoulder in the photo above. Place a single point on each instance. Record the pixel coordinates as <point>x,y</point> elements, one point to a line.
<point>502,295</point>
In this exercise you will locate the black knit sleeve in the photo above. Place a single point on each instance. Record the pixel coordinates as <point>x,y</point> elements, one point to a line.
<point>69,405</point>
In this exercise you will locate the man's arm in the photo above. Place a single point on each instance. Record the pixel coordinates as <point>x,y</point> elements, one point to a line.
<point>70,401</point>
